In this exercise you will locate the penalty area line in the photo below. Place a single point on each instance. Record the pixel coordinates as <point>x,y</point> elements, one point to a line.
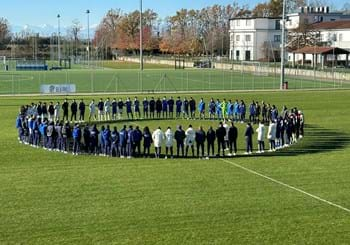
<point>286,185</point>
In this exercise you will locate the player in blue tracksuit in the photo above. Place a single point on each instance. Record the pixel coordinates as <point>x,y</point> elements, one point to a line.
<point>201,109</point>
<point>212,108</point>
<point>123,137</point>
<point>102,142</point>
<point>42,129</point>
<point>130,142</point>
<point>137,108</point>
<point>76,139</point>
<point>242,110</point>
<point>185,110</point>
<point>145,107</point>
<point>137,137</point>
<point>128,105</point>
<point>236,111</point>
<point>178,107</point>
<point>106,134</point>
<point>218,109</point>
<point>165,107</point>
<point>229,110</point>
<point>252,111</point>
<point>19,128</point>
<point>114,109</point>
<point>94,140</point>
<point>171,107</point>
<point>115,143</point>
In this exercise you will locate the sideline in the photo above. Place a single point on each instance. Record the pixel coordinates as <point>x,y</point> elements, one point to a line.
<point>286,185</point>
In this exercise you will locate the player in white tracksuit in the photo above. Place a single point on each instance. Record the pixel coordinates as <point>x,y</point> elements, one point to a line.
<point>169,142</point>
<point>189,140</point>
<point>271,135</point>
<point>158,138</point>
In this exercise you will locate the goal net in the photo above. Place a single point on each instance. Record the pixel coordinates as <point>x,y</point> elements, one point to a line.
<point>253,67</point>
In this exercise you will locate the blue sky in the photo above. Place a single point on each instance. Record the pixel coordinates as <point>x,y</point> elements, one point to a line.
<point>41,12</point>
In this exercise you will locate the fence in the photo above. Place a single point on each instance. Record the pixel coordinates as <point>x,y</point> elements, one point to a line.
<point>150,81</point>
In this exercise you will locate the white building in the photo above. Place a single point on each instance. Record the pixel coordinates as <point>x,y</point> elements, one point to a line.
<point>254,38</point>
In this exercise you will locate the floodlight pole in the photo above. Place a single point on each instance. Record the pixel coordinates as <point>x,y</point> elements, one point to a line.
<point>59,38</point>
<point>88,30</point>
<point>141,37</point>
<point>283,48</point>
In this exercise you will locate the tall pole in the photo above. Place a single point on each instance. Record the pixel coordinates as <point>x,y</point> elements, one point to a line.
<point>141,37</point>
<point>59,38</point>
<point>88,29</point>
<point>283,48</point>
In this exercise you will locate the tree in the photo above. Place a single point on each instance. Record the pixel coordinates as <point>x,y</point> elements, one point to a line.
<point>5,34</point>
<point>74,32</point>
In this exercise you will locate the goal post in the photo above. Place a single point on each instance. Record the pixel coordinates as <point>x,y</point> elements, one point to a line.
<point>179,63</point>
<point>3,64</point>
<point>253,67</point>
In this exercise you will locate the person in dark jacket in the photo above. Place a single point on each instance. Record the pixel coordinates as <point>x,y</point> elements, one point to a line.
<point>171,103</point>
<point>200,139</point>
<point>106,134</point>
<point>94,140</point>
<point>51,111</point>
<point>165,107</point>
<point>123,137</point>
<point>81,111</point>
<point>220,135</point>
<point>137,137</point>
<point>249,138</point>
<point>210,141</point>
<point>192,104</point>
<point>147,142</point>
<point>180,137</point>
<point>232,139</point>
<point>74,110</point>
<point>130,142</point>
<point>152,107</point>
<point>115,143</point>
<point>65,106</point>
<point>159,107</point>
<point>86,137</point>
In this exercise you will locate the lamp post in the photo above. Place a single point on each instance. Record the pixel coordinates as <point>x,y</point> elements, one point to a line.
<point>88,30</point>
<point>141,37</point>
<point>59,38</point>
<point>283,48</point>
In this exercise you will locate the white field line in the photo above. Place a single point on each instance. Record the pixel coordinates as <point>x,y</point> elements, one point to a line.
<point>286,185</point>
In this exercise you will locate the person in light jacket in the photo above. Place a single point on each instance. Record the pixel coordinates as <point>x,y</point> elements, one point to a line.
<point>271,135</point>
<point>169,142</point>
<point>158,138</point>
<point>189,141</point>
<point>261,136</point>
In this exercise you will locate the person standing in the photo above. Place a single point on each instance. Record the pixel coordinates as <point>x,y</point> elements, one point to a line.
<point>147,141</point>
<point>137,137</point>
<point>192,104</point>
<point>212,109</point>
<point>114,109</point>
<point>218,109</point>
<point>190,138</point>
<point>232,138</point>
<point>145,108</point>
<point>201,109</point>
<point>178,107</point>
<point>169,142</point>
<point>180,137</point>
<point>51,111</point>
<point>94,140</point>
<point>66,135</point>
<point>152,107</point>
<point>271,135</point>
<point>74,110</point>
<point>76,139</point>
<point>185,105</point>
<point>158,137</point>
<point>86,137</point>
<point>92,109</point>
<point>165,107</point>
<point>242,111</point>
<point>100,106</point>
<point>115,143</point>
<point>220,135</point>
<point>225,125</point>
<point>120,109</point>
<point>252,111</point>
<point>137,108</point>
<point>200,139</point>
<point>261,136</point>
<point>210,141</point>
<point>171,107</point>
<point>130,142</point>
<point>249,138</point>
<point>81,111</point>
<point>107,141</point>
<point>65,106</point>
<point>107,108</point>
<point>123,137</point>
<point>57,109</point>
<point>128,105</point>
<point>158,108</point>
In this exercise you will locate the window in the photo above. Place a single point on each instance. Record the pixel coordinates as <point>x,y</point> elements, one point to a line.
<point>248,22</point>
<point>277,25</point>
<point>247,38</point>
<point>238,22</point>
<point>277,38</point>
<point>247,55</point>
<point>237,54</point>
<point>340,37</point>
<point>237,38</point>
<point>334,38</point>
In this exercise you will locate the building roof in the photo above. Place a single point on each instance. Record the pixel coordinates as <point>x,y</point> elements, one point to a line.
<point>253,18</point>
<point>339,24</point>
<point>320,50</point>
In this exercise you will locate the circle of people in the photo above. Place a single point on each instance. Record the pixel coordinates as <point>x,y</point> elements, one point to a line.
<point>40,125</point>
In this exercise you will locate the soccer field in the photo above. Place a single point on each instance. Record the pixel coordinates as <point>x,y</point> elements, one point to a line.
<point>298,196</point>
<point>153,80</point>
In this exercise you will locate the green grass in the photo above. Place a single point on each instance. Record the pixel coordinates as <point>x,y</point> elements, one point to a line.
<point>50,198</point>
<point>131,80</point>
